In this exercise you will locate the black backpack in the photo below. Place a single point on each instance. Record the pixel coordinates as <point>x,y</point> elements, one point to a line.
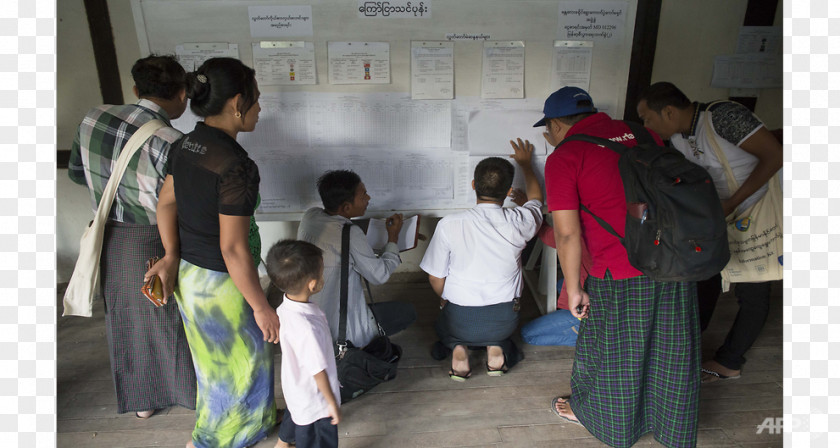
<point>675,229</point>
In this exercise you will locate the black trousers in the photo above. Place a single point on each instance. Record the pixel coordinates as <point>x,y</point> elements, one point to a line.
<point>394,316</point>
<point>318,434</point>
<point>478,327</point>
<point>754,306</point>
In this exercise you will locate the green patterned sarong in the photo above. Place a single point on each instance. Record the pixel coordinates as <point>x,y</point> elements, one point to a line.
<point>235,404</point>
<point>637,362</point>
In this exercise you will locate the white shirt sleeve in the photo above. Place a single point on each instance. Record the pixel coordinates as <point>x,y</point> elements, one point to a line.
<point>436,259</point>
<point>529,218</point>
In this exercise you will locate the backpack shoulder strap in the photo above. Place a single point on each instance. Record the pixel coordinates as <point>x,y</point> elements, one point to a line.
<point>603,223</point>
<point>600,141</point>
<point>640,133</point>
<point>345,276</point>
<point>345,287</point>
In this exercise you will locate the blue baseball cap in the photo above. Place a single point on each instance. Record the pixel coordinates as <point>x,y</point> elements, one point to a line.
<point>565,102</point>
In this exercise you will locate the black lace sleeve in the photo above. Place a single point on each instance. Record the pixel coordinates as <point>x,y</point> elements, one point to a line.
<point>238,189</point>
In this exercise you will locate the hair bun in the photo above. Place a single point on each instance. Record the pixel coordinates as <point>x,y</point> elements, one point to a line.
<point>197,86</point>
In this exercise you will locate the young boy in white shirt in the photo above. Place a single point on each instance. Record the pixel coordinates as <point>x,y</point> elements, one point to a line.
<point>308,372</point>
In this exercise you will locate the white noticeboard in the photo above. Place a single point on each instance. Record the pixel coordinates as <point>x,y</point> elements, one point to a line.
<point>414,146</point>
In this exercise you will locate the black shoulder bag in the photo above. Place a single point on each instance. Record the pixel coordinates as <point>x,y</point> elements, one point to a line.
<point>360,369</point>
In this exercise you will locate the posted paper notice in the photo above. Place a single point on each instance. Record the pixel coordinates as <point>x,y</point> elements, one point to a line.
<point>280,21</point>
<point>284,63</point>
<point>503,70</point>
<point>359,62</point>
<point>432,70</point>
<point>572,64</point>
<point>600,21</point>
<point>191,56</point>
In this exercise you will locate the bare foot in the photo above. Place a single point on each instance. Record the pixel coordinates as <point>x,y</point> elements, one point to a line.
<point>495,357</point>
<point>565,410</point>
<point>722,372</point>
<point>144,414</point>
<point>460,360</point>
<point>281,444</point>
<point>190,444</point>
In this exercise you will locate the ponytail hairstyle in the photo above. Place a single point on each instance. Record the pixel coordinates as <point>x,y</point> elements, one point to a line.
<point>217,81</point>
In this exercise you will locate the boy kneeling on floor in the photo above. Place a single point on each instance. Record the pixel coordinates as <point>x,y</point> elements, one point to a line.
<point>474,265</point>
<point>308,372</point>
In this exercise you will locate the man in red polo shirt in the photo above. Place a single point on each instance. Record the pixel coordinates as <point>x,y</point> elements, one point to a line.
<point>638,352</point>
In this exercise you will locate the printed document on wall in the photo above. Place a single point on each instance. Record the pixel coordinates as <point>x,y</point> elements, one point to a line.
<point>572,64</point>
<point>491,131</point>
<point>284,63</point>
<point>756,70</point>
<point>359,62</point>
<point>432,70</point>
<point>280,21</point>
<point>395,9</point>
<point>486,127</point>
<point>417,180</point>
<point>760,39</point>
<point>600,21</point>
<point>503,70</point>
<point>292,121</point>
<point>192,55</point>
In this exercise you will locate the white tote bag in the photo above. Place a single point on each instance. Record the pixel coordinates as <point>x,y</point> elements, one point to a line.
<point>755,235</point>
<point>78,299</point>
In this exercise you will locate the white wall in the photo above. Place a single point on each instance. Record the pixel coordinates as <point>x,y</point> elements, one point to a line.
<point>77,90</point>
<point>690,35</point>
<point>77,82</point>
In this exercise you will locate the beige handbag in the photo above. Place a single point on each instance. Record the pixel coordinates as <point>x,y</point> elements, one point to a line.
<point>755,235</point>
<point>78,299</point>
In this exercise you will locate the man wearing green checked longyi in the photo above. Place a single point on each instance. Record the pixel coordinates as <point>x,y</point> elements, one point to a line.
<point>637,359</point>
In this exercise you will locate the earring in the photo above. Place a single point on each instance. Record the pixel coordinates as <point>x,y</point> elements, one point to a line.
<point>237,114</point>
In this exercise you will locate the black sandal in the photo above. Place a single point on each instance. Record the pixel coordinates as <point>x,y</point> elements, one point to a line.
<point>497,372</point>
<point>459,378</point>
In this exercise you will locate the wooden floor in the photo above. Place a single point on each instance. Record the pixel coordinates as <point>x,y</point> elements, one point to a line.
<point>422,407</point>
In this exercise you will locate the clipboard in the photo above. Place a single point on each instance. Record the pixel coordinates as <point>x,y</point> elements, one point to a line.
<point>377,235</point>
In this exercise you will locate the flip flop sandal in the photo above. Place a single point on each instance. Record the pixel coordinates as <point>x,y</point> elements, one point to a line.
<point>497,372</point>
<point>459,378</point>
<point>557,413</point>
<point>715,376</point>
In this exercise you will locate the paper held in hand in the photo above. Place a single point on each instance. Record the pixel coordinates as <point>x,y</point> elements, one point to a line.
<point>377,235</point>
